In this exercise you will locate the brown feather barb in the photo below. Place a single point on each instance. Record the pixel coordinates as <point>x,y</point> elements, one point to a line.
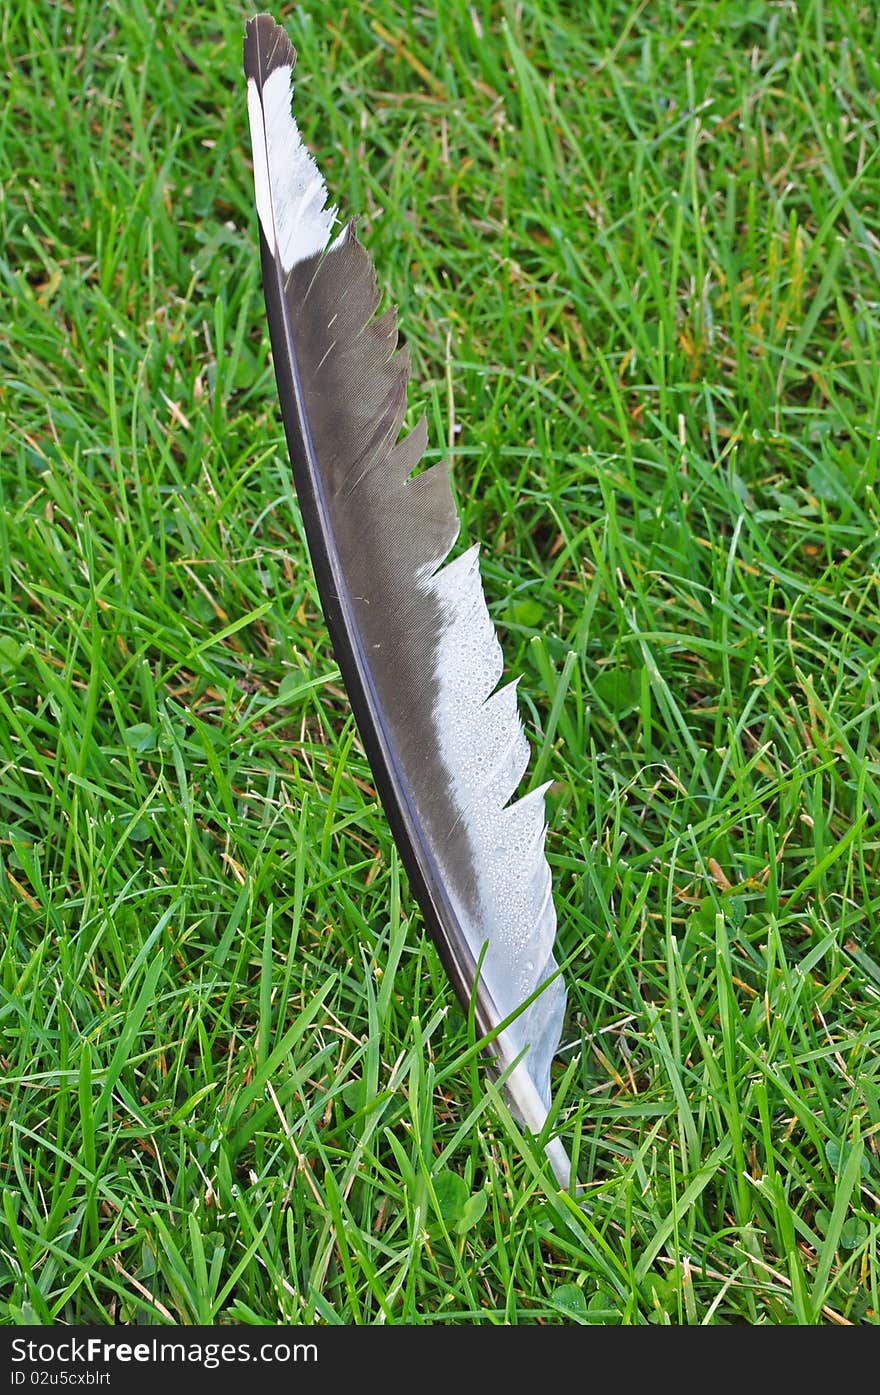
<point>410,631</point>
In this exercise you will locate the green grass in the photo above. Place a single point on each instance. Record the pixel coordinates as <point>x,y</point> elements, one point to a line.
<point>635,250</point>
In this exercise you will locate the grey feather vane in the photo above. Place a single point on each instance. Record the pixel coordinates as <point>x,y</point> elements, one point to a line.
<point>411,632</point>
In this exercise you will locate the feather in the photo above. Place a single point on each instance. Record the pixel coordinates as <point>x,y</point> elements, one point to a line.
<point>410,631</point>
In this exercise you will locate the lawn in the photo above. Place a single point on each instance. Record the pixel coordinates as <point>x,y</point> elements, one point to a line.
<point>635,250</point>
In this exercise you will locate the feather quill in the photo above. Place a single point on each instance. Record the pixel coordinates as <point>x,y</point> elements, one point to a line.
<point>410,631</point>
